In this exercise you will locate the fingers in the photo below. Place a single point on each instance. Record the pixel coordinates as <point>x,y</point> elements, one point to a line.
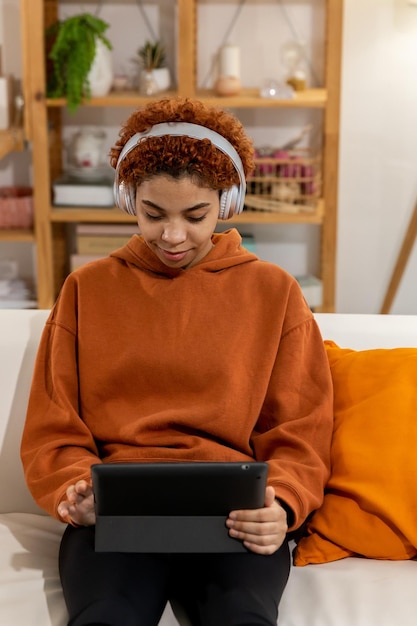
<point>269,496</point>
<point>261,530</point>
<point>264,538</point>
<point>268,536</point>
<point>272,513</point>
<point>63,510</point>
<point>76,493</point>
<point>79,505</point>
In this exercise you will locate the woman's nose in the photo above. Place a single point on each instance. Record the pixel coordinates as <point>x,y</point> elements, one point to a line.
<point>173,233</point>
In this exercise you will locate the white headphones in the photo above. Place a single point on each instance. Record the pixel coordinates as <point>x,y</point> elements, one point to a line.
<point>231,200</point>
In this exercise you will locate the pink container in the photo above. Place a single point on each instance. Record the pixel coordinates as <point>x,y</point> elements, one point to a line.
<point>16,207</point>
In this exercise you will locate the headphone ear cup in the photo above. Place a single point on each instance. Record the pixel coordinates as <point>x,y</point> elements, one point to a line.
<point>125,198</point>
<point>229,205</point>
<point>131,199</point>
<point>224,205</point>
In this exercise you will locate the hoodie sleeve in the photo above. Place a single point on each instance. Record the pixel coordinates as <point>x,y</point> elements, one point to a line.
<point>57,448</point>
<point>295,428</point>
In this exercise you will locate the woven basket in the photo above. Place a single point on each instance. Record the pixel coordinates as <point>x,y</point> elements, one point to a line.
<point>16,207</point>
<point>288,182</point>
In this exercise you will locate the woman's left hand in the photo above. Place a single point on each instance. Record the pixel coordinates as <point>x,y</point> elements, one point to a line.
<point>261,530</point>
<point>78,508</point>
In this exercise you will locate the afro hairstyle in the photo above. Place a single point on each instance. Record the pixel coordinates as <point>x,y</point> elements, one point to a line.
<point>180,156</point>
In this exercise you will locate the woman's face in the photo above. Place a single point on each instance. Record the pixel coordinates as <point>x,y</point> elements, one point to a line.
<point>177,218</point>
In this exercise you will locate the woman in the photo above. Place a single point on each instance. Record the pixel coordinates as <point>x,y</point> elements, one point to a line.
<point>180,346</point>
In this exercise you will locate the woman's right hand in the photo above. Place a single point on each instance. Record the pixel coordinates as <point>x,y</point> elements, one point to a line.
<point>78,508</point>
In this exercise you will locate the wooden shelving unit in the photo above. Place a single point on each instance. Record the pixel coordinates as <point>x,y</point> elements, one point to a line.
<point>45,123</point>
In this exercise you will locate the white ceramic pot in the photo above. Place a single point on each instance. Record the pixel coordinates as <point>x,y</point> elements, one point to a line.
<point>100,75</point>
<point>162,78</point>
<point>154,81</point>
<point>227,86</point>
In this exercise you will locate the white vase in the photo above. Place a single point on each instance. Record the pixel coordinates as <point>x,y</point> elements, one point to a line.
<point>100,76</point>
<point>162,78</point>
<point>154,81</point>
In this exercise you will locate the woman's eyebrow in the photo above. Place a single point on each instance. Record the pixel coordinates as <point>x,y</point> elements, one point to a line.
<point>153,205</point>
<point>196,207</point>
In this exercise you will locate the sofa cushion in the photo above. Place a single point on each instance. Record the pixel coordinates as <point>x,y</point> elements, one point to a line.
<point>30,589</point>
<point>370,503</point>
<point>351,592</point>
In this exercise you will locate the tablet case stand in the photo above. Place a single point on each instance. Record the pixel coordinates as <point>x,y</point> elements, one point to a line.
<point>165,533</point>
<point>191,518</point>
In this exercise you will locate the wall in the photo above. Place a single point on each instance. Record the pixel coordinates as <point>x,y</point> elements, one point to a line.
<point>15,169</point>
<point>378,162</point>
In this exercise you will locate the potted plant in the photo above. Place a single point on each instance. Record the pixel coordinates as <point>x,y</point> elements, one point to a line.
<point>154,76</point>
<point>76,43</point>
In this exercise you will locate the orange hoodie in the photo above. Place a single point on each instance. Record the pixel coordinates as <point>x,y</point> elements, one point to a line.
<point>140,362</point>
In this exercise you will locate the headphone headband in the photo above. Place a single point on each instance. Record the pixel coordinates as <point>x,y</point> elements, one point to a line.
<point>231,201</point>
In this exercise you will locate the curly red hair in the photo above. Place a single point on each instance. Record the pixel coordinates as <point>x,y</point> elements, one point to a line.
<point>180,156</point>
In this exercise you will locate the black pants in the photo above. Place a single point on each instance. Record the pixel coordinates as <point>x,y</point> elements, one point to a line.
<point>132,589</point>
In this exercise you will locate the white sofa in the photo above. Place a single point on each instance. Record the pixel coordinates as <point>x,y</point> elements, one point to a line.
<point>349,592</point>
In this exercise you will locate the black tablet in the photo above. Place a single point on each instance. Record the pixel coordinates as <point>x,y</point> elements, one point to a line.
<point>173,507</point>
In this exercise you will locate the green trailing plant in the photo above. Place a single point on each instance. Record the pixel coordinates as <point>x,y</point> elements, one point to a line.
<point>72,55</point>
<point>152,55</point>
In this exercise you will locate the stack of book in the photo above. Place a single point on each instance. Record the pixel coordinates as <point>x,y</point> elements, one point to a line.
<point>95,241</point>
<point>70,190</point>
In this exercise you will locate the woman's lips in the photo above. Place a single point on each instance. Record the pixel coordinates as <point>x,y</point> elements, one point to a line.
<point>173,256</point>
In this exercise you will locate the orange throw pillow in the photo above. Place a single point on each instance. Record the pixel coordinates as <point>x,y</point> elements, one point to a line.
<point>370,502</point>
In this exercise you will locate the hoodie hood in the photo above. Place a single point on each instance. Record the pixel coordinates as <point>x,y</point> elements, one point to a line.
<point>226,252</point>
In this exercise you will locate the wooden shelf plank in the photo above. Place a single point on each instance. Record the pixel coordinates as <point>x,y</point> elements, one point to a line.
<point>264,217</point>
<point>249,98</point>
<point>88,214</point>
<point>16,234</point>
